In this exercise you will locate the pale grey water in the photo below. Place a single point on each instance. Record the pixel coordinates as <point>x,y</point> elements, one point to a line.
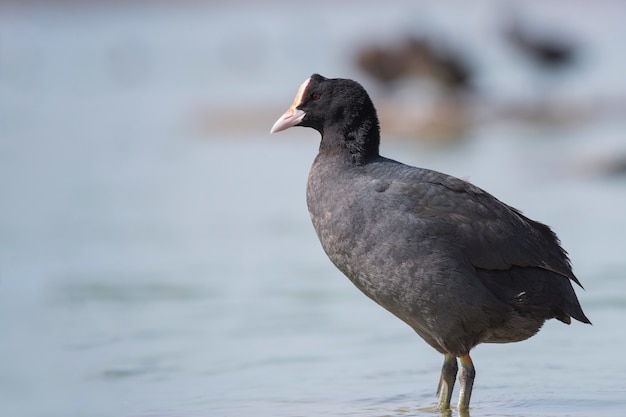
<point>147,270</point>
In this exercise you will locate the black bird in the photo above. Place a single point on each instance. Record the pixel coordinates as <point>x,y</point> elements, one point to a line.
<point>449,259</point>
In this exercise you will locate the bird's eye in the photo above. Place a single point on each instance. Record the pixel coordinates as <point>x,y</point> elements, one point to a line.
<point>316,96</point>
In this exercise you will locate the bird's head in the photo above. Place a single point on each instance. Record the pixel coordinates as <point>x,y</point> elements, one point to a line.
<point>340,109</point>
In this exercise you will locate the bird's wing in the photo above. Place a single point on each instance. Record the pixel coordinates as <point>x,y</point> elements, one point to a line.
<point>494,235</point>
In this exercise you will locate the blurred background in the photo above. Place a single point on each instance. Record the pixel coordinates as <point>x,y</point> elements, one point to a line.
<point>156,256</point>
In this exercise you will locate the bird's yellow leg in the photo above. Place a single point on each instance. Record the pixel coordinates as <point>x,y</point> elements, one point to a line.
<point>446,381</point>
<point>466,379</point>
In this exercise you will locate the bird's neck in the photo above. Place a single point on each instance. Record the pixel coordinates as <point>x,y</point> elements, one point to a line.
<point>354,145</point>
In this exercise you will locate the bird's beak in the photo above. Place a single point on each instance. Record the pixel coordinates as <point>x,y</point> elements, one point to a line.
<point>293,116</point>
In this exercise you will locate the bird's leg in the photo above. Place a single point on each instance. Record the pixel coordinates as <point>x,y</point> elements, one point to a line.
<point>446,382</point>
<point>466,379</point>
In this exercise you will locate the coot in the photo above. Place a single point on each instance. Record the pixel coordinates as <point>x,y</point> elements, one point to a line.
<point>449,259</point>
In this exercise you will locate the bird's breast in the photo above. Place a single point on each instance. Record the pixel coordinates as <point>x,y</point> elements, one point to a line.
<point>362,233</point>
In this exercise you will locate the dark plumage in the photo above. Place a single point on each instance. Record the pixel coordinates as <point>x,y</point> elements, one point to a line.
<point>449,259</point>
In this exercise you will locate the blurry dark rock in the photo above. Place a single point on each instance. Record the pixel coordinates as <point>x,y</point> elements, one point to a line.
<point>547,49</point>
<point>445,117</point>
<point>385,65</point>
<point>445,66</point>
<point>417,57</point>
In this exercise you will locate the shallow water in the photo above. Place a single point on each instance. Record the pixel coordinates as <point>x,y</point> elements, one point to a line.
<point>147,271</point>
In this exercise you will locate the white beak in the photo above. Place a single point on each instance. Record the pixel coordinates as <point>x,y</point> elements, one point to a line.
<point>293,116</point>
